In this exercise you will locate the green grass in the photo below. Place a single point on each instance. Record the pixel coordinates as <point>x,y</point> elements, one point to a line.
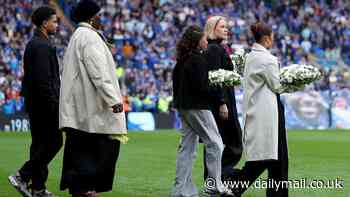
<point>146,166</point>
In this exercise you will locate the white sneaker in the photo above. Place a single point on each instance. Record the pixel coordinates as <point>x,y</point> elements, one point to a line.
<point>226,192</point>
<point>43,193</point>
<point>21,186</point>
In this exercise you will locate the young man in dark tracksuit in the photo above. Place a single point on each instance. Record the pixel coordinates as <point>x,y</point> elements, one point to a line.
<point>40,89</point>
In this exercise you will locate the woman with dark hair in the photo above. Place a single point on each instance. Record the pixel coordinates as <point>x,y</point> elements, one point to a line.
<point>223,101</point>
<point>191,98</point>
<point>264,136</point>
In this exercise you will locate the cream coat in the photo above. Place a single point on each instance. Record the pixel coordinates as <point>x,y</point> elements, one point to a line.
<point>260,112</point>
<point>90,85</point>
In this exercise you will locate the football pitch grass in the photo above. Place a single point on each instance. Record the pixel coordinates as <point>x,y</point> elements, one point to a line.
<point>146,166</point>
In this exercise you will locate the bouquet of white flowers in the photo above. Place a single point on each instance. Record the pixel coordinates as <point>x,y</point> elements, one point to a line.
<point>224,78</point>
<point>238,60</point>
<point>296,76</point>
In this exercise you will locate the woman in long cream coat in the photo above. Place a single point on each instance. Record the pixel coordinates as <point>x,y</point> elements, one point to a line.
<point>91,112</point>
<point>264,136</point>
<point>260,111</point>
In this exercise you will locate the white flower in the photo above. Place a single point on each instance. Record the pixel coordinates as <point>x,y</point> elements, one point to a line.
<point>240,51</point>
<point>224,78</point>
<point>296,76</point>
<point>238,60</point>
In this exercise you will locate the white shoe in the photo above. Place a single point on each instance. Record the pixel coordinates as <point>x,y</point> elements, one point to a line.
<point>21,186</point>
<point>43,193</point>
<point>226,192</point>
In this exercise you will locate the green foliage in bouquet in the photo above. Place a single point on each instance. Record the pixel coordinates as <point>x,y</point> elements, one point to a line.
<point>238,61</point>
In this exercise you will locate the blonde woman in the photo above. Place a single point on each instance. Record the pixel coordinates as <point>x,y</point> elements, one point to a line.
<point>223,101</point>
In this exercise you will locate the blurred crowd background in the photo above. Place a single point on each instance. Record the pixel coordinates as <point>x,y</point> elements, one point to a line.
<point>144,34</point>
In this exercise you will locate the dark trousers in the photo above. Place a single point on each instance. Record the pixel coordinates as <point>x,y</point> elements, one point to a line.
<point>277,169</point>
<point>46,143</point>
<point>89,162</point>
<point>230,158</point>
<point>231,134</point>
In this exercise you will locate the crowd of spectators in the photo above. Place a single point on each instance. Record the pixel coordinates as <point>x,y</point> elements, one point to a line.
<point>145,33</point>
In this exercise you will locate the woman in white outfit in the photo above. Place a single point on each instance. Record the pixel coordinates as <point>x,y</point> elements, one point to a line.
<point>264,136</point>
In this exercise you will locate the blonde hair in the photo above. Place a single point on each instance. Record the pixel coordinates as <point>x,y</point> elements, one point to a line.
<point>210,26</point>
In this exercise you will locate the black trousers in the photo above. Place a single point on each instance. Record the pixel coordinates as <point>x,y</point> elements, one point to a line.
<point>277,169</point>
<point>231,134</point>
<point>230,159</point>
<point>46,143</point>
<point>89,162</point>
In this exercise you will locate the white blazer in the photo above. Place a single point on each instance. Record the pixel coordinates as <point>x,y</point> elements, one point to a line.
<point>260,111</point>
<point>90,85</point>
